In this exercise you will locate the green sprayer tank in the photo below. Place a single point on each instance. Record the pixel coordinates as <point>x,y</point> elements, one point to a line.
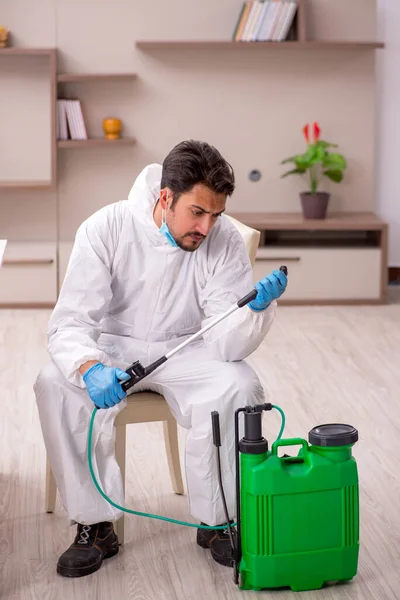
<point>298,515</point>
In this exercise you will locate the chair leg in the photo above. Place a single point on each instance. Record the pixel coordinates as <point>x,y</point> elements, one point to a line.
<point>172,448</point>
<point>51,489</point>
<point>120,454</point>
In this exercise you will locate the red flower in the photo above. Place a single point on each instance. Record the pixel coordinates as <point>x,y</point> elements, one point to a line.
<point>316,132</point>
<point>306,134</point>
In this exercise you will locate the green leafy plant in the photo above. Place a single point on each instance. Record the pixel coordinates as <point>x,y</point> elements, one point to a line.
<point>318,161</point>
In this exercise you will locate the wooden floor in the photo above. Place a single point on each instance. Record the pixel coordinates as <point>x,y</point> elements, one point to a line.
<point>320,364</point>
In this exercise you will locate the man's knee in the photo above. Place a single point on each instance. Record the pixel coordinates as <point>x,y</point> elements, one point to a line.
<point>48,376</point>
<point>244,382</point>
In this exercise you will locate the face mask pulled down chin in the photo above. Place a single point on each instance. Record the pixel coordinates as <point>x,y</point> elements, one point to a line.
<point>164,229</point>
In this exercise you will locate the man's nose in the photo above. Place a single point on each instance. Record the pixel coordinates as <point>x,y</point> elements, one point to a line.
<point>204,225</point>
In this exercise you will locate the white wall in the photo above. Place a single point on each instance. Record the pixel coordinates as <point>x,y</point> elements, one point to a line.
<point>388,123</point>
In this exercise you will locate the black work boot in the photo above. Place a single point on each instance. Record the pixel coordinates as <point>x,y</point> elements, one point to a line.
<point>218,541</point>
<point>92,544</point>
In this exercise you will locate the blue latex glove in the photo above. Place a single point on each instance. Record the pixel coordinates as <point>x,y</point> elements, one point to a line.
<point>270,288</point>
<point>103,385</point>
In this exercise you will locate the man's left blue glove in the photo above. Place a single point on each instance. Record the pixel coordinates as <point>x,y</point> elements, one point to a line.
<point>269,289</point>
<point>103,385</point>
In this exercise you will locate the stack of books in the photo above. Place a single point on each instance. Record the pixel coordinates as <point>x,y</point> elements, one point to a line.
<point>70,121</point>
<point>265,20</point>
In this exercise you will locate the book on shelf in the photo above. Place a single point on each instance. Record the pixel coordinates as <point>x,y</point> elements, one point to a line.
<point>265,20</point>
<point>70,121</point>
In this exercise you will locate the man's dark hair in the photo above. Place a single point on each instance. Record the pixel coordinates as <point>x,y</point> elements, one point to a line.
<point>192,162</point>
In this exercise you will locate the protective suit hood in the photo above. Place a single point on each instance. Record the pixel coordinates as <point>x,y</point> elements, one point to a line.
<point>142,199</point>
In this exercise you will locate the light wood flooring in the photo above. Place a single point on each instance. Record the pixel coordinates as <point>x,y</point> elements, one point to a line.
<point>320,364</point>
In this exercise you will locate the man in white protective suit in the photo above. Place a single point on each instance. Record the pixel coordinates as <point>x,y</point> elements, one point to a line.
<point>144,274</point>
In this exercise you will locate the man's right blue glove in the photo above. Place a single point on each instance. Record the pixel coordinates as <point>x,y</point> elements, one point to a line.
<point>270,288</point>
<point>103,385</point>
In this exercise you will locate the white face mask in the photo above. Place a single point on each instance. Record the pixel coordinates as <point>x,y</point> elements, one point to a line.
<point>164,229</point>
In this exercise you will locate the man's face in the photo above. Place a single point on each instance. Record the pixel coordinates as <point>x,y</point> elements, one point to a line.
<point>193,215</point>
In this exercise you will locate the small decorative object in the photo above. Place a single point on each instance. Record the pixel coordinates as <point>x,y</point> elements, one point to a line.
<point>3,37</point>
<point>112,128</point>
<point>319,163</point>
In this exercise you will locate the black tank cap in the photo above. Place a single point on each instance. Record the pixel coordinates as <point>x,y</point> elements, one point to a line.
<point>333,434</point>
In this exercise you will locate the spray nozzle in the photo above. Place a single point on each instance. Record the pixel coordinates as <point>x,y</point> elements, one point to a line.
<point>258,408</point>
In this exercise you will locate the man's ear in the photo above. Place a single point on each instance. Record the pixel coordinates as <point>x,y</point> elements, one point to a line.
<point>164,193</point>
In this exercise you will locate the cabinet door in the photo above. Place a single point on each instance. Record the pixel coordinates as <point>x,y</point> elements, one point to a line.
<point>324,274</point>
<point>29,274</point>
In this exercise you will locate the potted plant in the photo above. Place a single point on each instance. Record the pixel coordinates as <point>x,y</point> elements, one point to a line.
<point>317,162</point>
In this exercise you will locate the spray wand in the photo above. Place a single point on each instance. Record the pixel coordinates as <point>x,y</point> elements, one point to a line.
<point>137,371</point>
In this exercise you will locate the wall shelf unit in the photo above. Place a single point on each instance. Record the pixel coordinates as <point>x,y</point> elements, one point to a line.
<point>297,39</point>
<point>255,46</point>
<point>96,143</point>
<point>26,185</point>
<point>94,77</point>
<point>83,78</point>
<point>29,277</point>
<point>55,80</point>
<point>28,52</point>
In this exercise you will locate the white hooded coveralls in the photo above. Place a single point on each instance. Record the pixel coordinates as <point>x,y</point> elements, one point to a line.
<point>129,295</point>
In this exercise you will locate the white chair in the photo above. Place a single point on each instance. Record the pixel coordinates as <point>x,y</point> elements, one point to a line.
<point>145,407</point>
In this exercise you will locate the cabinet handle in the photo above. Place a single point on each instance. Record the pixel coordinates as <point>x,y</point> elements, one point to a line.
<point>281,259</point>
<point>27,261</point>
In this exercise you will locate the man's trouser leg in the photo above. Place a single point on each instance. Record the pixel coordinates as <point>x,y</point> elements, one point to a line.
<point>65,411</point>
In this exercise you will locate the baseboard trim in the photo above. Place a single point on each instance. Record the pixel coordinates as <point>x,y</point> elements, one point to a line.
<point>27,305</point>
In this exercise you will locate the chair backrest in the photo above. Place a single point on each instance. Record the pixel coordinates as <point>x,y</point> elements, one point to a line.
<point>250,236</point>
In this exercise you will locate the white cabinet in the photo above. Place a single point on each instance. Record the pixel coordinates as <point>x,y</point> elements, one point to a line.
<point>28,276</point>
<point>338,260</point>
<point>326,275</point>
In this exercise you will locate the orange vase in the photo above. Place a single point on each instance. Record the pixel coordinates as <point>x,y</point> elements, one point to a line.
<point>112,128</point>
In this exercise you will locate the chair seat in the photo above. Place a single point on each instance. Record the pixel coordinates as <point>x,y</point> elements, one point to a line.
<point>144,407</point>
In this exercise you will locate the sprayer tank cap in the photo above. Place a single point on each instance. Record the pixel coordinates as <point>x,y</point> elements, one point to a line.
<point>333,434</point>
